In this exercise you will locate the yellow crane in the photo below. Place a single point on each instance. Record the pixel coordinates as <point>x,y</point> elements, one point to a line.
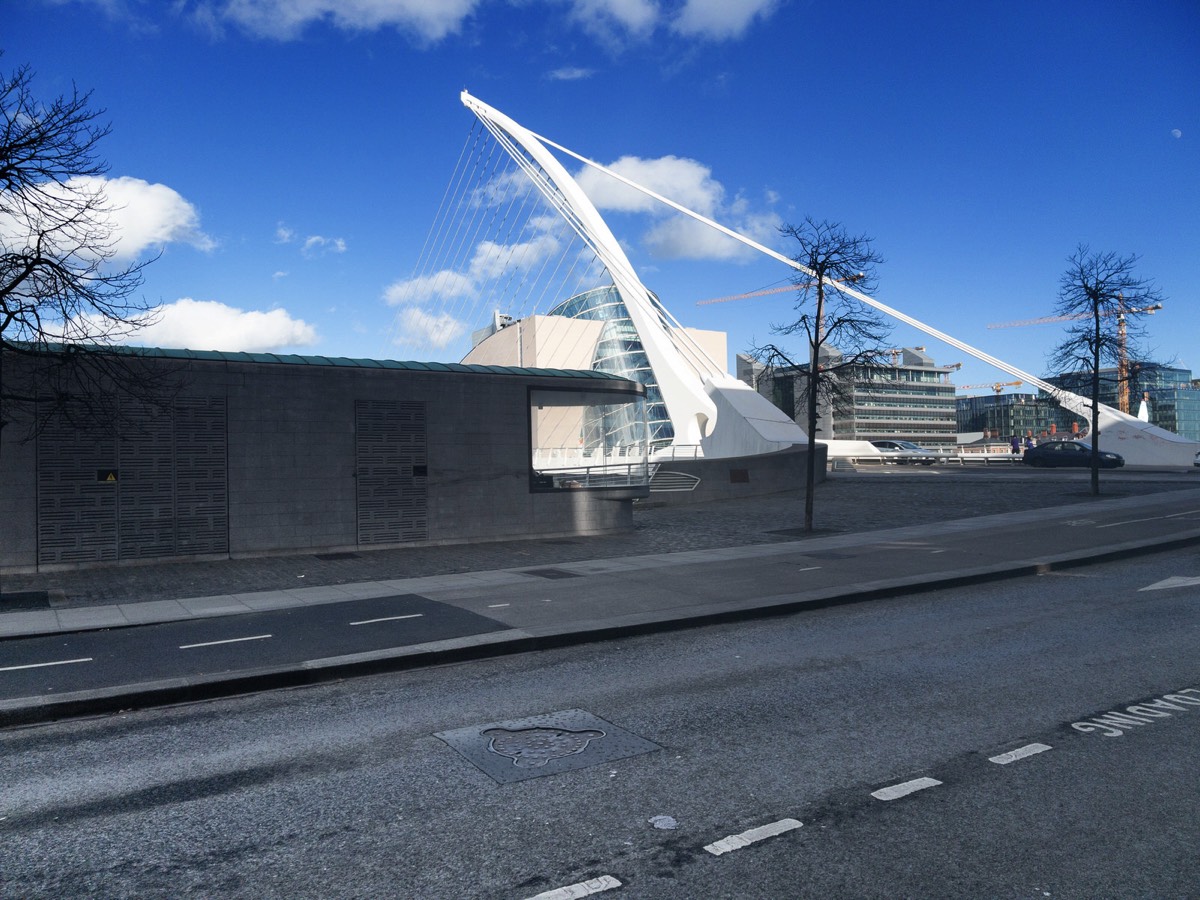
<point>1122,355</point>
<point>776,290</point>
<point>997,386</point>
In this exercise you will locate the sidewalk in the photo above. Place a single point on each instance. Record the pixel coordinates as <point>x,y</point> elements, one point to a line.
<point>696,565</point>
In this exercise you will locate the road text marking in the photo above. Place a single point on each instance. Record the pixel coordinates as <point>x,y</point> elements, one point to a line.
<point>59,662</point>
<point>388,619</point>
<point>1020,753</point>
<point>257,637</point>
<point>581,889</point>
<point>746,838</point>
<point>1116,722</point>
<point>896,791</point>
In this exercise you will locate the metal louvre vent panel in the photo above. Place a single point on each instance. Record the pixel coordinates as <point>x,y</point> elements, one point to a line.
<point>390,443</point>
<point>167,494</point>
<point>146,488</point>
<point>77,518</point>
<point>201,476</point>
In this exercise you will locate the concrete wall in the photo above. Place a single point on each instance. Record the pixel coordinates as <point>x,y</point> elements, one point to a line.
<point>734,477</point>
<point>290,466</point>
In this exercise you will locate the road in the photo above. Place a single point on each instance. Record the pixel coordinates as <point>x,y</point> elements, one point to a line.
<point>347,790</point>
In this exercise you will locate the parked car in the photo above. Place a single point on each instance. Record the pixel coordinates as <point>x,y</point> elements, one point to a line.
<point>905,452</point>
<point>1069,453</point>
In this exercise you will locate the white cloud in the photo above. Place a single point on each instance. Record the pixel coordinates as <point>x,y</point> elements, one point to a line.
<point>691,185</point>
<point>570,73</point>
<point>125,217</point>
<point>428,20</point>
<point>312,245</point>
<point>489,261</point>
<point>416,327</point>
<point>316,245</point>
<point>208,325</point>
<point>720,19</point>
<point>679,237</point>
<point>685,181</point>
<point>145,215</point>
<point>608,20</point>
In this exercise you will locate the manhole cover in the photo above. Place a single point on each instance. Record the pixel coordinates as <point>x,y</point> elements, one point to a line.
<point>551,573</point>
<point>544,745</point>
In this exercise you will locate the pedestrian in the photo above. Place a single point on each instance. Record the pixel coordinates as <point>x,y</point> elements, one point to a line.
<point>1030,443</point>
<point>1015,443</point>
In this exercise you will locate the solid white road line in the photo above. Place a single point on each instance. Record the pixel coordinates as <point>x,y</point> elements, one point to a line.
<point>896,791</point>
<point>746,838</point>
<point>581,889</point>
<point>257,637</point>
<point>388,619</point>
<point>1150,519</point>
<point>59,662</point>
<point>1020,753</point>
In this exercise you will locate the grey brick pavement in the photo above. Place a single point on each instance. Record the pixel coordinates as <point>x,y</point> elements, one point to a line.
<point>847,502</point>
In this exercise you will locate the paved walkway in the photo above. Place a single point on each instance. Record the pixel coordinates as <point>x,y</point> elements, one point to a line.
<point>882,533</point>
<point>856,504</point>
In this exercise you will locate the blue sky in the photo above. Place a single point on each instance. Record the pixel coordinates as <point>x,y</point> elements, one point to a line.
<point>288,156</point>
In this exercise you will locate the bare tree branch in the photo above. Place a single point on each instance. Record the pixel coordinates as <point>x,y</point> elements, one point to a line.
<point>838,332</point>
<point>1102,295</point>
<point>60,283</point>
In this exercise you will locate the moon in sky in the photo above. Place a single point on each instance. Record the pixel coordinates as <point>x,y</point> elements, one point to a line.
<point>1175,132</point>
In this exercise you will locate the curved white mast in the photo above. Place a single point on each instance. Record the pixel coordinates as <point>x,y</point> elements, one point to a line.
<point>681,379</point>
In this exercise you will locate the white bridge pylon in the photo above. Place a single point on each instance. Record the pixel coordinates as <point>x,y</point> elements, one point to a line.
<point>693,385</point>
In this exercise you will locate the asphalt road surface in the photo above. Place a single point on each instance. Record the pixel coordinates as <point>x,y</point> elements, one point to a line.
<point>125,656</point>
<point>1030,738</point>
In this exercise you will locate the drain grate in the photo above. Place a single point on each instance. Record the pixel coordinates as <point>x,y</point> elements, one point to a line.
<point>551,573</point>
<point>332,557</point>
<point>543,745</point>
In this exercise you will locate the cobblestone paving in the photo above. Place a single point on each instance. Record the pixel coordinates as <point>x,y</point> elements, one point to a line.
<point>846,502</point>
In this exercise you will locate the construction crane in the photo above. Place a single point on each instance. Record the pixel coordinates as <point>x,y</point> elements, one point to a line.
<point>1122,354</point>
<point>762,293</point>
<point>997,386</point>
<point>776,290</point>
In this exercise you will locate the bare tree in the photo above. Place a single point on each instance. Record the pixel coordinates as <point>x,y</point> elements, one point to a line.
<point>839,333</point>
<point>65,302</point>
<point>1100,293</point>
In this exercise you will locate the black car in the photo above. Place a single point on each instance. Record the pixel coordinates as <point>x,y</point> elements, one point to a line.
<point>1069,453</point>
<point>905,452</point>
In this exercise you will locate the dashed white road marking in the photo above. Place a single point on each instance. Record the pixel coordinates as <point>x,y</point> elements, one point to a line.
<point>1020,753</point>
<point>388,619</point>
<point>746,838</point>
<point>257,637</point>
<point>896,791</point>
<point>808,569</point>
<point>498,605</point>
<point>580,889</point>
<point>57,662</point>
